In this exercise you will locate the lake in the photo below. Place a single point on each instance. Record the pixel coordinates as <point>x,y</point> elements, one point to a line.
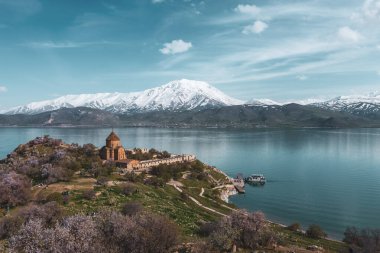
<point>328,177</point>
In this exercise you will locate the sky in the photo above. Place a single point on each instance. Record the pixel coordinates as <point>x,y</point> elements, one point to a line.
<point>278,49</point>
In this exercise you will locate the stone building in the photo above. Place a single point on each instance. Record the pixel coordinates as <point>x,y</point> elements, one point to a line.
<point>113,150</point>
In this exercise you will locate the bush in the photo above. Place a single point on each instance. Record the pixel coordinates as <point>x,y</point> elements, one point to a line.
<point>55,196</point>
<point>131,208</point>
<point>133,177</point>
<point>47,214</point>
<point>14,189</point>
<point>102,181</point>
<point>207,228</point>
<point>128,189</point>
<point>89,194</point>
<point>315,232</point>
<point>366,240</point>
<point>243,229</point>
<point>9,225</point>
<point>107,231</point>
<point>154,181</point>
<point>295,227</point>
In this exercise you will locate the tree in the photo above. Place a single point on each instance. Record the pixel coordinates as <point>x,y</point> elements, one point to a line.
<point>157,234</point>
<point>316,232</point>
<point>48,214</point>
<point>352,236</point>
<point>107,231</point>
<point>14,189</point>
<point>242,229</point>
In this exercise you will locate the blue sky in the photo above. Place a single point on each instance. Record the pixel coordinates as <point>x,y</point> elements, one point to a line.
<point>275,49</point>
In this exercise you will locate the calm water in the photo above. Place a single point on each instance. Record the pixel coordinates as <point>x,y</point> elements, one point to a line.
<point>327,177</point>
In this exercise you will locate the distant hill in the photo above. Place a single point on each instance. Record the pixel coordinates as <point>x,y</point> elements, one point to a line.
<point>80,116</point>
<point>238,116</point>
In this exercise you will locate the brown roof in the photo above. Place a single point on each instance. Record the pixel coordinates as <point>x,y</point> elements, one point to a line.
<point>113,137</point>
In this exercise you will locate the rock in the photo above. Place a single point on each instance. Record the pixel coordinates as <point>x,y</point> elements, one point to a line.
<point>315,248</point>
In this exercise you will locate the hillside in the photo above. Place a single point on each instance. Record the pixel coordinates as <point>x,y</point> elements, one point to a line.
<point>239,116</point>
<point>89,205</point>
<point>291,115</point>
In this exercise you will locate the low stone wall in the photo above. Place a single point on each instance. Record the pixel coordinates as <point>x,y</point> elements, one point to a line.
<point>152,163</point>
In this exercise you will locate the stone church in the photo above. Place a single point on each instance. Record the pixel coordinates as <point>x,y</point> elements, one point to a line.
<point>113,150</point>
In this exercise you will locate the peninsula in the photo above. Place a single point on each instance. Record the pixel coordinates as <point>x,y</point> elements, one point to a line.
<point>69,196</point>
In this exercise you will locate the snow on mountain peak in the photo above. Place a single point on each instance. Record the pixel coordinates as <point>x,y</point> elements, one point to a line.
<point>175,96</point>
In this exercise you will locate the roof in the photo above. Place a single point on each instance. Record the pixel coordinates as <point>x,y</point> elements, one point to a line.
<point>113,137</point>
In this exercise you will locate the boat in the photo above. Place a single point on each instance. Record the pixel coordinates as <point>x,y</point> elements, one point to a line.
<point>256,179</point>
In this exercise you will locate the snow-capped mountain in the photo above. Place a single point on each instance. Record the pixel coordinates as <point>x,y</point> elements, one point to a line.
<point>261,102</point>
<point>175,96</point>
<point>355,104</point>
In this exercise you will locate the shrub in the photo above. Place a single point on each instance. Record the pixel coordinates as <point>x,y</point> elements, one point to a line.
<point>107,231</point>
<point>55,196</point>
<point>366,240</point>
<point>207,228</point>
<point>9,225</point>
<point>47,214</point>
<point>316,232</point>
<point>14,189</point>
<point>131,208</point>
<point>89,194</point>
<point>243,229</point>
<point>154,181</point>
<point>102,181</point>
<point>128,189</point>
<point>295,227</point>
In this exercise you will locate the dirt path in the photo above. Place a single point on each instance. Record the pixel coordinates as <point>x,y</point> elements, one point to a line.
<point>196,201</point>
<point>202,191</point>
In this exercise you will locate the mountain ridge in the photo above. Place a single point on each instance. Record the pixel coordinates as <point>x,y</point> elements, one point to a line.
<point>237,116</point>
<point>189,95</point>
<point>176,95</point>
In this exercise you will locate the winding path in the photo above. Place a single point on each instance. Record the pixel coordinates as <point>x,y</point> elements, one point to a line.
<point>197,202</point>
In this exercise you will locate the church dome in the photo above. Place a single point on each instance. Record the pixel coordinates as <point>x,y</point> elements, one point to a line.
<point>113,137</point>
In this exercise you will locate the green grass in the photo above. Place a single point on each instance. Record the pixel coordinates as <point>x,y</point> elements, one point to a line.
<point>166,201</point>
<point>300,240</point>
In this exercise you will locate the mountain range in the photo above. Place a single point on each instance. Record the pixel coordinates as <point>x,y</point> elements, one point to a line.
<point>187,103</point>
<point>180,95</point>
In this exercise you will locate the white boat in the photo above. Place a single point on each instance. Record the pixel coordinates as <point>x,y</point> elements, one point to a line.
<point>256,179</point>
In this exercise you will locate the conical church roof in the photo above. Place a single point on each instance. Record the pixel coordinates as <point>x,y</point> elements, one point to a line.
<point>113,137</point>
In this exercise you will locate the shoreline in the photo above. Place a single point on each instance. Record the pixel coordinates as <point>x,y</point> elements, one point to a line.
<point>270,221</point>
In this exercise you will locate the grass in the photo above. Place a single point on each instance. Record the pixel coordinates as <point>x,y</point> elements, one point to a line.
<point>169,202</point>
<point>166,201</point>
<point>300,240</point>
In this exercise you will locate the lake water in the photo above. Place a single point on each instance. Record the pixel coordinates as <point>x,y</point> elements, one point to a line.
<point>326,177</point>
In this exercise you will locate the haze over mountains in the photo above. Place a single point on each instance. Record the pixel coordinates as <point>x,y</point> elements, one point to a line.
<point>187,103</point>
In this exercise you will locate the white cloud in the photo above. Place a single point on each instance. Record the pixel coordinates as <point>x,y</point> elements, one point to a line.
<point>371,8</point>
<point>347,34</point>
<point>157,1</point>
<point>3,89</point>
<point>257,27</point>
<point>175,47</point>
<point>302,77</point>
<point>248,9</point>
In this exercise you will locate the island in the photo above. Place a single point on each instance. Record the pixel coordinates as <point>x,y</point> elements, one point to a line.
<point>81,198</point>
